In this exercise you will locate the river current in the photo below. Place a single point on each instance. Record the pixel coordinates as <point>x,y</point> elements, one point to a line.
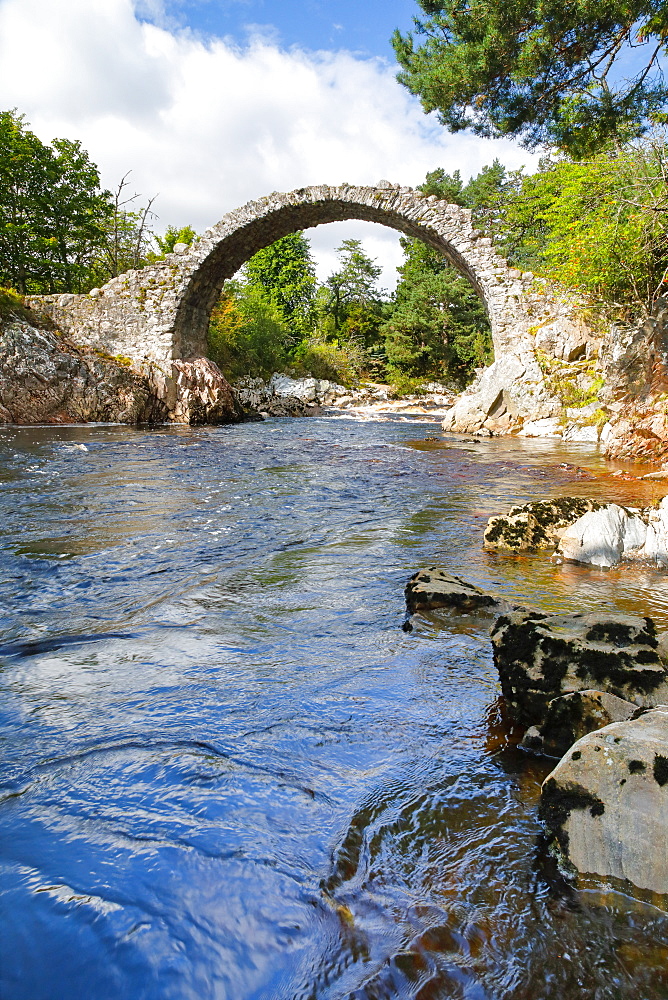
<point>227,773</point>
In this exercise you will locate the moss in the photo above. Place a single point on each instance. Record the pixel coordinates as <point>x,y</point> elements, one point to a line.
<point>618,668</point>
<point>13,304</point>
<point>532,526</point>
<point>660,770</point>
<point>647,656</point>
<point>614,632</point>
<point>637,766</point>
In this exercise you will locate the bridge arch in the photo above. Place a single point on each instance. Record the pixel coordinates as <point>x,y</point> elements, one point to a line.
<point>162,312</point>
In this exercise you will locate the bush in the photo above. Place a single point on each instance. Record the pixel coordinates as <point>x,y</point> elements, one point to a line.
<point>247,334</point>
<point>338,363</point>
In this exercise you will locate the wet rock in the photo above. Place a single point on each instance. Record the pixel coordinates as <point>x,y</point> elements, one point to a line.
<point>537,525</point>
<point>512,387</point>
<point>607,535</point>
<point>201,395</point>
<point>571,716</point>
<point>581,432</point>
<point>434,587</point>
<point>283,396</point>
<point>605,805</point>
<point>543,427</point>
<point>542,656</point>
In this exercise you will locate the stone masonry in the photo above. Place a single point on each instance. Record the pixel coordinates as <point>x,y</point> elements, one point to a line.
<point>161,312</point>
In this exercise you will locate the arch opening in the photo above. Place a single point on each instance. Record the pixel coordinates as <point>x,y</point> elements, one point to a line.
<point>229,252</point>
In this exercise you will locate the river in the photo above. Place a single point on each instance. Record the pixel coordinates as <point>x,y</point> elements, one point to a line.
<point>227,773</point>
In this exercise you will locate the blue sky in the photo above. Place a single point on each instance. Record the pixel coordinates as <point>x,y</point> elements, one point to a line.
<point>364,28</point>
<point>214,103</point>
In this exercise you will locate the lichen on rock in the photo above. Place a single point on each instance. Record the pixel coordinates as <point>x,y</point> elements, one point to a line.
<point>603,808</point>
<point>537,525</point>
<point>571,716</point>
<point>541,656</point>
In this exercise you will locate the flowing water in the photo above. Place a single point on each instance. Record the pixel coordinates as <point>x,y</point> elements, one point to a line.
<point>226,770</point>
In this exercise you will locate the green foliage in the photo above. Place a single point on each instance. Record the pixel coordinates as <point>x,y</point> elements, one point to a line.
<point>576,383</point>
<point>353,294</point>
<point>247,333</point>
<point>128,240</point>
<point>285,273</point>
<point>59,231</point>
<point>546,72</point>
<point>485,194</point>
<point>599,226</point>
<point>166,243</point>
<point>343,364</point>
<point>11,304</point>
<point>438,325</point>
<point>52,211</point>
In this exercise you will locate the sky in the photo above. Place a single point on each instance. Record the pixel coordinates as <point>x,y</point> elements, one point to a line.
<point>212,103</point>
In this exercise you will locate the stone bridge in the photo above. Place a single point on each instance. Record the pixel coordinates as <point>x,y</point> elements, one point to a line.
<point>162,311</point>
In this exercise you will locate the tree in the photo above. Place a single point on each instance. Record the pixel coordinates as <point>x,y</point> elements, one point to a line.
<point>166,243</point>
<point>248,334</point>
<point>438,325</point>
<point>599,225</point>
<point>285,273</point>
<point>52,211</point>
<point>545,71</point>
<point>484,194</point>
<point>354,284</point>
<point>128,239</point>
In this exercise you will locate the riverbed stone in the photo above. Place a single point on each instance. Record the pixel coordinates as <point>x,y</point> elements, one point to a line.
<point>537,525</point>
<point>611,534</point>
<point>605,805</point>
<point>571,716</point>
<point>434,587</point>
<point>541,656</point>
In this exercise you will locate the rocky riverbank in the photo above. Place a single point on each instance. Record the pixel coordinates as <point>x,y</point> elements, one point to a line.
<point>578,384</point>
<point>46,378</point>
<point>286,396</point>
<point>591,689</point>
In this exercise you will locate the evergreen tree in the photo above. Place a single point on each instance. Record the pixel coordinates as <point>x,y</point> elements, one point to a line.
<point>353,291</point>
<point>548,72</point>
<point>438,325</point>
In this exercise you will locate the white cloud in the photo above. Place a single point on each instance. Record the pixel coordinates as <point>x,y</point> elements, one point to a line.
<point>209,125</point>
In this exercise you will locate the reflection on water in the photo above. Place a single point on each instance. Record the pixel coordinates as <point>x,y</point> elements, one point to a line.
<point>228,773</point>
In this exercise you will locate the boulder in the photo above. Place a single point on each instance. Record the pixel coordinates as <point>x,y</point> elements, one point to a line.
<point>542,656</point>
<point>581,432</point>
<point>434,587</point>
<point>513,387</point>
<point>46,378</point>
<point>607,535</point>
<point>571,716</point>
<point>543,427</point>
<point>605,806</point>
<point>537,525</point>
<point>201,394</point>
